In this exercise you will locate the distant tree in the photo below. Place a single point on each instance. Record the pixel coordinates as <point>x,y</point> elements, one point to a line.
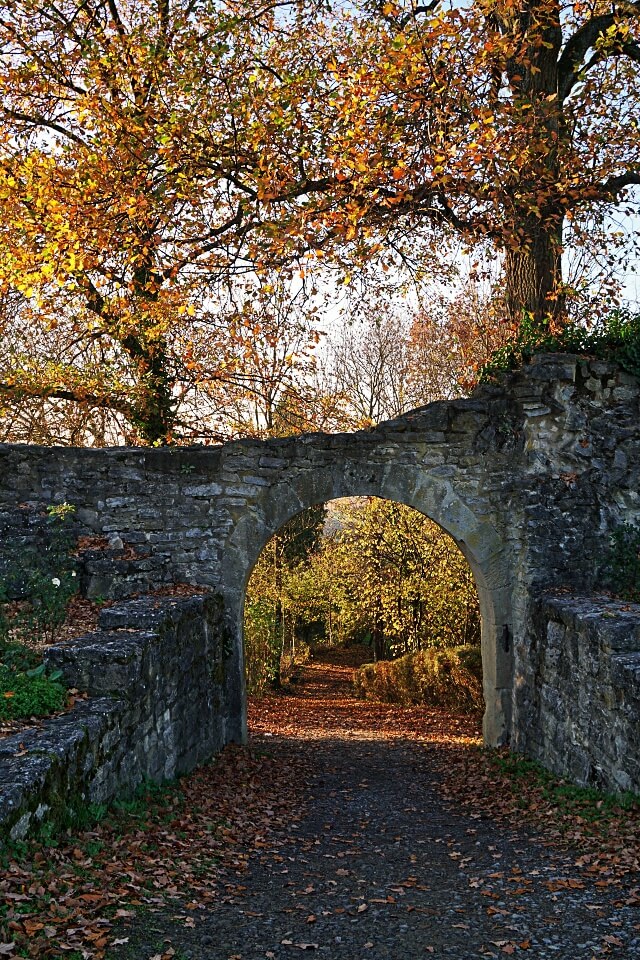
<point>368,361</point>
<point>379,572</point>
<point>267,634</point>
<point>449,341</point>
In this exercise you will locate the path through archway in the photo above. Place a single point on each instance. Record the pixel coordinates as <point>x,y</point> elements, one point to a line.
<point>433,494</point>
<point>371,574</point>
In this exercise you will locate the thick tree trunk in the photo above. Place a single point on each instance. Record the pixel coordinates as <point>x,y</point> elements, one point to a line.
<point>156,410</point>
<point>533,263</point>
<point>533,277</point>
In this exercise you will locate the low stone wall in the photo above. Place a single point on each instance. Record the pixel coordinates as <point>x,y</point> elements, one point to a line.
<point>583,707</point>
<point>156,675</point>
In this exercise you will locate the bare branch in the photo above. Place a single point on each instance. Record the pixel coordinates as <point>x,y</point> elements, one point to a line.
<point>585,38</point>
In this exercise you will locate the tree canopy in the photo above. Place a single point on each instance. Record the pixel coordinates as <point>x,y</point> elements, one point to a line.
<point>154,151</point>
<point>513,121</point>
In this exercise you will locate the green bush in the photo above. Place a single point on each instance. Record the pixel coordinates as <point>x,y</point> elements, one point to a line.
<point>446,677</point>
<point>615,338</point>
<point>29,694</point>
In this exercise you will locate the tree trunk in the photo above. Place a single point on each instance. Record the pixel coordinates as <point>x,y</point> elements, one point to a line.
<point>278,627</point>
<point>533,242</point>
<point>155,411</point>
<point>377,633</point>
<point>533,276</point>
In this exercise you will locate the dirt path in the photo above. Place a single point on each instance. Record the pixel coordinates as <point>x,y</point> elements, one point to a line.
<point>378,865</point>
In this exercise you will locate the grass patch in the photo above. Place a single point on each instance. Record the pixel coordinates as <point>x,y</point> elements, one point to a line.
<point>449,677</point>
<point>25,688</point>
<point>568,799</point>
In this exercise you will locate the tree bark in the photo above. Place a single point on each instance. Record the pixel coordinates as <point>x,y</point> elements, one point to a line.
<point>533,262</point>
<point>533,276</point>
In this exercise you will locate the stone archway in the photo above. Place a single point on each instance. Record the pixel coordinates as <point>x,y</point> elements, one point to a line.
<point>529,476</point>
<point>436,498</point>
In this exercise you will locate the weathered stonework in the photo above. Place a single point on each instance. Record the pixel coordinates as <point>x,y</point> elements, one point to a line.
<point>583,700</point>
<point>529,477</point>
<point>155,672</point>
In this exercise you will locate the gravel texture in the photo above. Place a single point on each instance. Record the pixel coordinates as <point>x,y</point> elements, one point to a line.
<point>380,867</point>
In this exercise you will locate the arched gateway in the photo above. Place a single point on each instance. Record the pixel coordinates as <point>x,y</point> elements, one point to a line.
<point>360,466</point>
<point>529,478</point>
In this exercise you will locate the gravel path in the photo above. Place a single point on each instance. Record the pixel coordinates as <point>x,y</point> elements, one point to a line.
<point>379,867</point>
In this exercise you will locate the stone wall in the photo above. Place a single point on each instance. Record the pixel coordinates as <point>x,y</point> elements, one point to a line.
<point>584,703</point>
<point>155,672</point>
<point>529,477</point>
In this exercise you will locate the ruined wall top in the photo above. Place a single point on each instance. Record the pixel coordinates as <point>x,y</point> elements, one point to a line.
<point>548,458</point>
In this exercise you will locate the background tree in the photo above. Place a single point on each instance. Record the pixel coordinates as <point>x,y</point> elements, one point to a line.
<point>381,574</point>
<point>367,365</point>
<point>269,639</point>
<point>388,355</point>
<point>451,339</point>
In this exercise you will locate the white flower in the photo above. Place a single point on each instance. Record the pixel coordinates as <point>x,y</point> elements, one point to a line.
<point>55,581</point>
<point>73,573</point>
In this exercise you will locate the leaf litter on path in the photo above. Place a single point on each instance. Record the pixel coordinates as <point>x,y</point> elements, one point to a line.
<point>186,849</point>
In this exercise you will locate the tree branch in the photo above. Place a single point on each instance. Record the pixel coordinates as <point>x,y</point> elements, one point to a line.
<point>585,38</point>
<point>38,121</point>
<point>42,392</point>
<point>612,187</point>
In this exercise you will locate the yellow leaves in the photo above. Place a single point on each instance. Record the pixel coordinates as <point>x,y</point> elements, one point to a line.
<point>75,263</point>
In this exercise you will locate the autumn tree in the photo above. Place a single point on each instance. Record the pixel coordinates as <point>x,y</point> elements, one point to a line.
<point>392,355</point>
<point>407,586</point>
<point>379,572</point>
<point>450,340</point>
<point>153,150</point>
<point>510,121</point>
<point>266,631</point>
<point>132,183</point>
<point>367,364</point>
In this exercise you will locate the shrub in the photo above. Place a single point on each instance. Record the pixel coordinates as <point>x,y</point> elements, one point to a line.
<point>446,677</point>
<point>29,694</point>
<point>616,338</point>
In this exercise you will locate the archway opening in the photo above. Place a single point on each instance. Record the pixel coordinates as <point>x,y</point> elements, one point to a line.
<point>375,577</point>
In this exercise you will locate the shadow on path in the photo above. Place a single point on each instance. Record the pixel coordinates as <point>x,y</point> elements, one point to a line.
<point>378,865</point>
